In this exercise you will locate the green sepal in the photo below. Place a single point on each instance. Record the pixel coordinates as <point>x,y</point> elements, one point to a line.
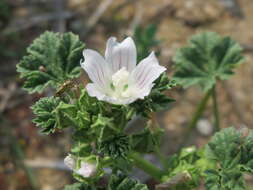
<point>92,159</point>
<point>163,83</point>
<point>156,101</point>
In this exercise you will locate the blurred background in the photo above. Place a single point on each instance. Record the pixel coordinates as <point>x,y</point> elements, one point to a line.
<point>29,160</point>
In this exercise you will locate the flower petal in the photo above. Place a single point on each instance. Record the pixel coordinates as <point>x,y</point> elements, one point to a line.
<point>94,91</point>
<point>147,71</point>
<point>86,169</point>
<point>145,91</point>
<point>96,67</point>
<point>120,55</point>
<point>69,161</point>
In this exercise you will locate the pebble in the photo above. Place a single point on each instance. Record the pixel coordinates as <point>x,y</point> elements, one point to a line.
<point>204,127</point>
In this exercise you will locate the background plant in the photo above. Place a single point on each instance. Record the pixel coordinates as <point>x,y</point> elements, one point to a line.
<point>207,59</point>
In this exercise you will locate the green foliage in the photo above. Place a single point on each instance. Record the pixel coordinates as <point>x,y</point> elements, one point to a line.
<point>124,183</point>
<point>51,59</point>
<point>187,167</point>
<point>115,147</point>
<point>232,152</point>
<point>5,11</point>
<point>116,182</point>
<point>208,58</point>
<point>79,186</point>
<point>147,140</point>
<point>145,39</point>
<point>45,111</point>
<point>156,100</point>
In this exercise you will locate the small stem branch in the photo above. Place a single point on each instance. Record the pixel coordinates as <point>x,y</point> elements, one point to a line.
<point>215,110</point>
<point>154,125</point>
<point>146,166</point>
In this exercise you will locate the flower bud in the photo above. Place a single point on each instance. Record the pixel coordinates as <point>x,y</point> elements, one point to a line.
<point>70,162</point>
<point>86,169</point>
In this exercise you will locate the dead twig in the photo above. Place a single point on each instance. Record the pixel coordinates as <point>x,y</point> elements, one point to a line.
<point>60,22</point>
<point>25,23</point>
<point>137,18</point>
<point>94,18</point>
<point>123,5</point>
<point>45,163</point>
<point>247,47</point>
<point>165,10</point>
<point>6,95</point>
<point>233,7</point>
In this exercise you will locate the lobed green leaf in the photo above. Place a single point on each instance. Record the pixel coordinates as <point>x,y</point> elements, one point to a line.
<point>51,59</point>
<point>231,150</point>
<point>45,111</point>
<point>208,58</point>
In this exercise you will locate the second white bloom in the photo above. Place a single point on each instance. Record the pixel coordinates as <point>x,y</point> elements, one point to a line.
<point>117,79</point>
<point>86,169</point>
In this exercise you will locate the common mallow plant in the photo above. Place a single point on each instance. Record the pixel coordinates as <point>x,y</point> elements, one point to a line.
<point>122,88</point>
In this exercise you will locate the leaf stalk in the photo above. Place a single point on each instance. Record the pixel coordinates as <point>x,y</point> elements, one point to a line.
<point>200,109</point>
<point>215,110</point>
<point>146,166</point>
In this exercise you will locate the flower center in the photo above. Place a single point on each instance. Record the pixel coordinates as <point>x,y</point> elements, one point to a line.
<point>120,84</point>
<point>120,78</point>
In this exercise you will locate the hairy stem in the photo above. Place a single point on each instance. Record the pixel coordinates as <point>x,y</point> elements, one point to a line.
<point>20,160</point>
<point>197,114</point>
<point>19,154</point>
<point>154,125</point>
<point>201,107</point>
<point>215,110</point>
<point>146,166</point>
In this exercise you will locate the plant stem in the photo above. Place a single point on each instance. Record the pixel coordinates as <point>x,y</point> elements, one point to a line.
<point>19,154</point>
<point>20,160</point>
<point>199,110</point>
<point>197,114</point>
<point>146,166</point>
<point>161,157</point>
<point>154,125</point>
<point>215,110</point>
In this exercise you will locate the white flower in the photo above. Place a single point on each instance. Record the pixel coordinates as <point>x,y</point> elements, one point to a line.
<point>86,169</point>
<point>117,79</point>
<point>70,162</point>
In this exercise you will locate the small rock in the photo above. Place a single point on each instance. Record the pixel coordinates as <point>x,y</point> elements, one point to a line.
<point>204,127</point>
